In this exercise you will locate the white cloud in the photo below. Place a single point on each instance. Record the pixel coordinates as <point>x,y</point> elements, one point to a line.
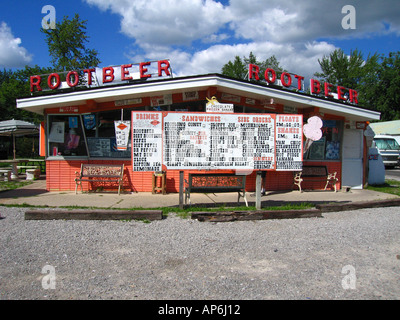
<point>291,30</point>
<point>169,22</point>
<point>307,20</point>
<point>215,38</point>
<point>302,60</point>
<point>12,55</point>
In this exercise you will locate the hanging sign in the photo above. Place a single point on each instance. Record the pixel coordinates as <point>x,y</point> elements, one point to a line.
<point>122,129</point>
<point>163,100</point>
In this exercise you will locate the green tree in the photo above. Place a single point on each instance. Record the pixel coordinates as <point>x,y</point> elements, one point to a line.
<point>235,69</point>
<point>14,85</point>
<point>377,79</point>
<point>239,67</point>
<point>273,63</point>
<point>67,45</point>
<point>350,71</point>
<point>384,92</point>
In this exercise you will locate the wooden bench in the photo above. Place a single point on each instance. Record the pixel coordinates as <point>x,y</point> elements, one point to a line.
<point>100,173</point>
<point>316,173</point>
<point>214,183</point>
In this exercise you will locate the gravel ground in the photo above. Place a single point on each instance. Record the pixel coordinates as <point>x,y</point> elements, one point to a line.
<point>177,258</point>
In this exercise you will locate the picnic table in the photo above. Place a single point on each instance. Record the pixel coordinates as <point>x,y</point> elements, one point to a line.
<point>14,163</point>
<point>41,163</point>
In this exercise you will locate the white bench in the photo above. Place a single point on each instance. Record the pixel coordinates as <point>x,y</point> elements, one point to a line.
<point>32,172</point>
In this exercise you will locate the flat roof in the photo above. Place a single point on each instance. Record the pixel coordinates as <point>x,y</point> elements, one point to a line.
<point>260,91</point>
<point>386,127</point>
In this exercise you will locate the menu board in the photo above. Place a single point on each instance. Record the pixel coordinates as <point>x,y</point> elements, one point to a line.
<point>146,141</point>
<point>199,141</point>
<point>289,142</point>
<point>220,141</point>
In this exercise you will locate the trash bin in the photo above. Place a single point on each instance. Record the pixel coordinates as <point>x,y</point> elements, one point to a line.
<point>376,174</point>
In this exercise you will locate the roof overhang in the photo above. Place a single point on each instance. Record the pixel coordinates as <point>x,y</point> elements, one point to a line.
<point>38,104</point>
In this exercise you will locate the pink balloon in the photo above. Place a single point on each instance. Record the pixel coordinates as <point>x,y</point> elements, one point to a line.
<point>312,129</point>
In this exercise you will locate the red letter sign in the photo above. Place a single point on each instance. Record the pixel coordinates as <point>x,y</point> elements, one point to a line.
<point>273,75</point>
<point>253,69</point>
<point>76,77</point>
<point>288,76</point>
<point>108,74</point>
<point>315,86</point>
<point>328,90</point>
<point>353,96</point>
<point>144,70</point>
<point>35,82</point>
<point>340,93</point>
<point>125,72</point>
<point>164,68</point>
<point>299,80</point>
<point>89,73</point>
<point>56,84</point>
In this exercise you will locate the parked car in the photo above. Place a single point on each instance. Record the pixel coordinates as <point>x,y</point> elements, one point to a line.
<point>389,149</point>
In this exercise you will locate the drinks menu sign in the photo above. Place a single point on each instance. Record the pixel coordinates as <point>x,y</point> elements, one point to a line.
<point>146,141</point>
<point>202,141</point>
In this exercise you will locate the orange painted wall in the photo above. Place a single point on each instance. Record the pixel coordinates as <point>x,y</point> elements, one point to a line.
<point>60,176</point>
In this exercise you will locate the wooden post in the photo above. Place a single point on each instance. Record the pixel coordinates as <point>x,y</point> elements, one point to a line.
<point>258,190</point>
<point>181,189</point>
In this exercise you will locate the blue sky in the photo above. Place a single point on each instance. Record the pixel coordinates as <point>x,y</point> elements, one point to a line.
<point>200,36</point>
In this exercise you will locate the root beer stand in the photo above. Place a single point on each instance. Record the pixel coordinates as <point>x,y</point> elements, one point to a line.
<point>140,116</point>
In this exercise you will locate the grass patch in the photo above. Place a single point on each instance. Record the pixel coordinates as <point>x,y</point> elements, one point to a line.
<point>23,205</point>
<point>11,185</point>
<point>182,213</point>
<point>390,186</point>
<point>185,213</point>
<point>301,206</point>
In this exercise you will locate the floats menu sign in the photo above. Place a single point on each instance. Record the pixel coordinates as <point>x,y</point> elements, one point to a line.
<point>289,142</point>
<point>197,141</point>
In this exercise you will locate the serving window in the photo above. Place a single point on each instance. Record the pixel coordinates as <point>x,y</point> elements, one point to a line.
<point>66,136</point>
<point>100,133</point>
<point>88,135</point>
<point>328,147</point>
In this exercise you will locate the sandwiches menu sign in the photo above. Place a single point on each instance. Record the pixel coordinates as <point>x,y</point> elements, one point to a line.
<point>205,141</point>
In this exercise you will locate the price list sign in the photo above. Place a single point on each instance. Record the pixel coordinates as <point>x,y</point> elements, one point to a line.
<point>289,142</point>
<point>204,141</point>
<point>146,141</point>
<point>218,141</point>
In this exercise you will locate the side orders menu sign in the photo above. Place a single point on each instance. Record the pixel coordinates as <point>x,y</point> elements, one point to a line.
<point>205,141</point>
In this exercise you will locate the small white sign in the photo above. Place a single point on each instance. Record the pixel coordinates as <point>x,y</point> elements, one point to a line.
<point>214,106</point>
<point>122,129</point>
